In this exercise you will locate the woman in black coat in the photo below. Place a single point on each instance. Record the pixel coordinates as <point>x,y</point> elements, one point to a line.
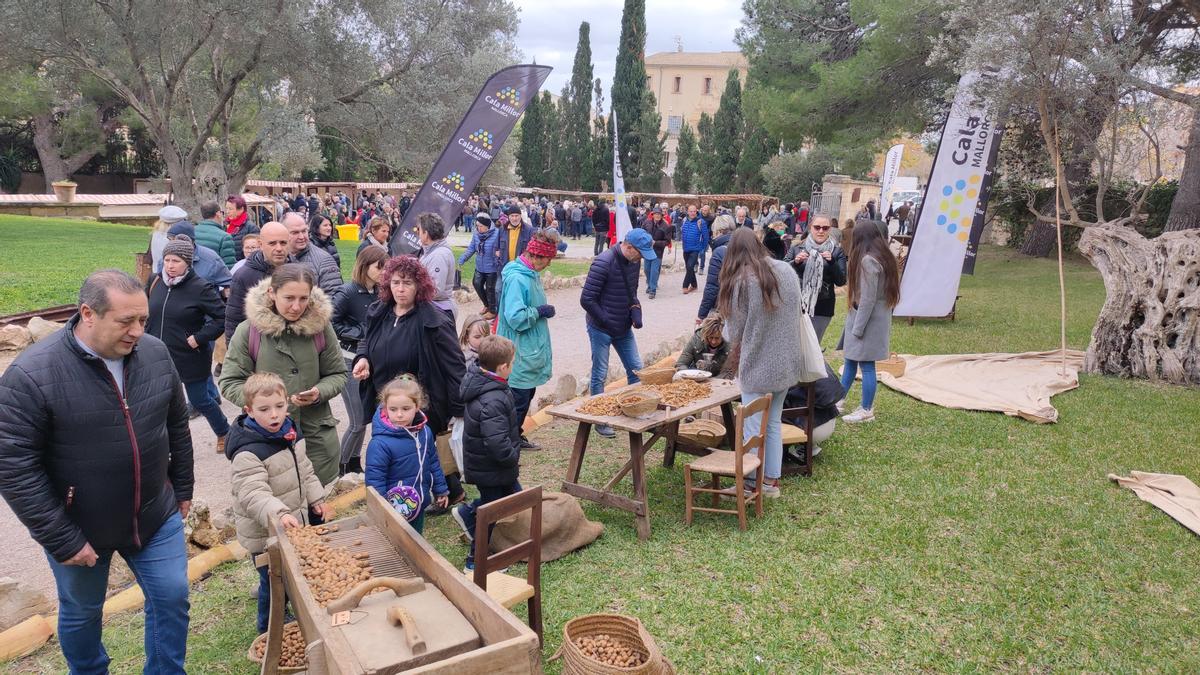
<point>406,333</point>
<point>187,314</point>
<point>320,233</point>
<point>350,323</point>
<point>820,252</point>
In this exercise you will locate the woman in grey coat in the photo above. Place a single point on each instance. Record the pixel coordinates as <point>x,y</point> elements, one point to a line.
<point>873,289</point>
<point>760,298</point>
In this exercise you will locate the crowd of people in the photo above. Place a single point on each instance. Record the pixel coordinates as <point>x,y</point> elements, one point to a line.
<point>268,306</point>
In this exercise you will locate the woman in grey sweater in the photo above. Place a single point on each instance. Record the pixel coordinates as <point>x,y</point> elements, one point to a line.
<point>760,298</point>
<point>873,289</point>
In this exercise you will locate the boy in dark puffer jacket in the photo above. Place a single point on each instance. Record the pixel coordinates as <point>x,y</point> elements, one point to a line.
<point>491,432</point>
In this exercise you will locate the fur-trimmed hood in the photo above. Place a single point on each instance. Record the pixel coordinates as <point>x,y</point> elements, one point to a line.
<point>261,313</point>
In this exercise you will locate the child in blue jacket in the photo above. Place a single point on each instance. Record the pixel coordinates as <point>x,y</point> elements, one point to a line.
<point>402,459</point>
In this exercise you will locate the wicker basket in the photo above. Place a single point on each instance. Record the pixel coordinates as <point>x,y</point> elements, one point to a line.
<point>638,403</point>
<point>702,432</point>
<point>893,365</point>
<point>656,375</point>
<point>261,640</point>
<point>625,629</point>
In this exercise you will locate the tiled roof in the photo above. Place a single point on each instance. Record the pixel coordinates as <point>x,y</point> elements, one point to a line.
<point>727,59</point>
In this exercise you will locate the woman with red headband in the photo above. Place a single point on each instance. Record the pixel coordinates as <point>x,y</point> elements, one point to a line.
<point>523,314</point>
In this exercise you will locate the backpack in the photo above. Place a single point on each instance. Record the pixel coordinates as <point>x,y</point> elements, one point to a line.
<point>256,341</point>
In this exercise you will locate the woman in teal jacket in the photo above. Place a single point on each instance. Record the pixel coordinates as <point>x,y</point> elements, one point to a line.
<point>523,314</point>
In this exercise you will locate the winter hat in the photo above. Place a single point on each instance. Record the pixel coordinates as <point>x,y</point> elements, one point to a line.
<point>181,246</point>
<point>483,218</point>
<point>513,210</point>
<point>182,227</point>
<point>171,214</point>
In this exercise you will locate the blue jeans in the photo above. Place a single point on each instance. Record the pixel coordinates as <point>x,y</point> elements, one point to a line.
<point>160,568</point>
<point>850,371</point>
<point>205,398</point>
<point>487,495</point>
<point>773,444</point>
<point>652,268</point>
<point>627,351</point>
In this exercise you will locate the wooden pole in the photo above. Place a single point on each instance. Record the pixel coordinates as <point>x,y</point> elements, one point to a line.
<point>1062,283</point>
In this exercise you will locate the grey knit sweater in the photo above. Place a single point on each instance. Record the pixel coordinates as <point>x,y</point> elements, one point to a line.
<point>770,358</point>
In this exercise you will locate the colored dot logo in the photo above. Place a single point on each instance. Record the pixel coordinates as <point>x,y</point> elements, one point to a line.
<point>512,96</point>
<point>483,138</point>
<point>454,179</point>
<point>955,212</point>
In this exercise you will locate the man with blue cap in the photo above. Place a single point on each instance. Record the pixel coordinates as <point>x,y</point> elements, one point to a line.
<point>610,299</point>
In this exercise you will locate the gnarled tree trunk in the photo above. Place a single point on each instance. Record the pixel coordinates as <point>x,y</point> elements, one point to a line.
<point>1149,326</point>
<point>1185,209</point>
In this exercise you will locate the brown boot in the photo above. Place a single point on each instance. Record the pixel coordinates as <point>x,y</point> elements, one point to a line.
<point>220,445</point>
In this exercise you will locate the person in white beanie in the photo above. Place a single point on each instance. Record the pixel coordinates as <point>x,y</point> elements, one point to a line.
<point>167,216</point>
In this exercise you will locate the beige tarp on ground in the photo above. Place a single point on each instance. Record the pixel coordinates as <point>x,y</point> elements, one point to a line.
<point>1015,384</point>
<point>1176,495</point>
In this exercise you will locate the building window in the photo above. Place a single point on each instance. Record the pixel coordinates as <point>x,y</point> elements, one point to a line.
<point>678,83</point>
<point>674,123</point>
<point>708,85</point>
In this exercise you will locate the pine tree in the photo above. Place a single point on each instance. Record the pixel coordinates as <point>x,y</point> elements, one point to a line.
<point>706,154</point>
<point>598,159</point>
<point>728,130</point>
<point>551,139</point>
<point>651,157</point>
<point>685,160</point>
<point>531,153</point>
<point>629,80</point>
<point>578,104</point>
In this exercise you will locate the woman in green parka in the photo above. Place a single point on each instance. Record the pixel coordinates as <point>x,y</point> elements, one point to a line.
<point>523,315</point>
<point>287,332</point>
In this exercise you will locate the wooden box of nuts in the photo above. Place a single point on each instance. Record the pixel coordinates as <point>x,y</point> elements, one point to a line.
<point>372,596</point>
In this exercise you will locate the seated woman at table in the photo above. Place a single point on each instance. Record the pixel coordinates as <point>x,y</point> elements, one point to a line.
<point>707,349</point>
<point>827,391</point>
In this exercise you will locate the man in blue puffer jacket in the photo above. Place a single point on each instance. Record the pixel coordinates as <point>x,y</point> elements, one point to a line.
<point>695,240</point>
<point>610,299</point>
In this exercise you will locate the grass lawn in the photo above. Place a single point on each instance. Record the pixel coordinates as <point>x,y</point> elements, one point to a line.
<point>931,540</point>
<point>64,251</point>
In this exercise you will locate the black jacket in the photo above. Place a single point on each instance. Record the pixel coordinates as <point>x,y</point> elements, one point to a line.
<point>610,292</point>
<point>440,363</point>
<point>330,247</point>
<point>79,464</point>
<point>350,314</point>
<point>491,430</point>
<point>827,391</point>
<point>190,307</point>
<point>712,282</point>
<point>247,228</point>
<point>255,270</point>
<point>600,219</point>
<point>774,243</point>
<point>833,274</point>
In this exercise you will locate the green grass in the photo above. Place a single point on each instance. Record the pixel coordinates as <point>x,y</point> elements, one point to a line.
<point>64,251</point>
<point>931,540</point>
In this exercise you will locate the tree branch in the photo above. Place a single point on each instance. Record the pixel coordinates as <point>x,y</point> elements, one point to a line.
<point>1164,92</point>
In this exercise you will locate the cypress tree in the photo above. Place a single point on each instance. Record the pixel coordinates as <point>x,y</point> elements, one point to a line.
<point>598,160</point>
<point>685,160</point>
<point>577,131</point>
<point>629,80</point>
<point>651,155</point>
<point>706,154</point>
<point>552,141</point>
<point>531,157</point>
<point>728,130</point>
<point>758,148</point>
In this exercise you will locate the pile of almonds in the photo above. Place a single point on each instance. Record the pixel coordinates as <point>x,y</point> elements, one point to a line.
<point>604,406</point>
<point>331,572</point>
<point>292,655</point>
<point>610,651</point>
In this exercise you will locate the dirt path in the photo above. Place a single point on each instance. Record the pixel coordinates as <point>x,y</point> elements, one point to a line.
<point>665,318</point>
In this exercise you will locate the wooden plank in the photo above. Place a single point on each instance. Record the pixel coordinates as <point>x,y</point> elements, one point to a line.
<point>578,451</point>
<point>724,391</point>
<point>516,656</point>
<point>605,498</point>
<point>639,485</point>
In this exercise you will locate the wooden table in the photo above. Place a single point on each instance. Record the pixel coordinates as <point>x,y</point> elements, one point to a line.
<point>661,424</point>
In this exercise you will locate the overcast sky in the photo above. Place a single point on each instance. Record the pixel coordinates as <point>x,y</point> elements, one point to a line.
<point>550,28</point>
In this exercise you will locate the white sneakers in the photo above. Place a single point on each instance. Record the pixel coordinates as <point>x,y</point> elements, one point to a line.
<point>858,416</point>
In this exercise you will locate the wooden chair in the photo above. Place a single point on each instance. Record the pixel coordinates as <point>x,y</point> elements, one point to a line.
<point>800,435</point>
<point>737,463</point>
<point>506,589</point>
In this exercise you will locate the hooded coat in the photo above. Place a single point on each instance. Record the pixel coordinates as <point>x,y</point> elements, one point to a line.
<point>289,349</point>
<point>520,322</point>
<point>407,454</point>
<point>491,430</point>
<point>271,477</point>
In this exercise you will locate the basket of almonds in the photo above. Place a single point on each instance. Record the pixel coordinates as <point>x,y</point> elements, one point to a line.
<point>292,658</point>
<point>605,644</point>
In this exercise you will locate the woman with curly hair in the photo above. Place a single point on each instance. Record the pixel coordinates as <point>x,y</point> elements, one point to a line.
<point>407,333</point>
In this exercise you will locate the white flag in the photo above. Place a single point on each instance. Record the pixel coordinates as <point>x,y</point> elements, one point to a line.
<point>891,169</point>
<point>954,192</point>
<point>623,223</point>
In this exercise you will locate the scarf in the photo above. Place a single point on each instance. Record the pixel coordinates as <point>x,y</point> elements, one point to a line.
<point>235,223</point>
<point>171,281</point>
<point>814,273</point>
<point>287,432</point>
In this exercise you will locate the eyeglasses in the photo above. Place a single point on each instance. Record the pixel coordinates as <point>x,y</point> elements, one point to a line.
<point>819,228</point>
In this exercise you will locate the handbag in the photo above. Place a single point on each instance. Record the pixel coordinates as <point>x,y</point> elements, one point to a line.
<point>812,361</point>
<point>456,445</point>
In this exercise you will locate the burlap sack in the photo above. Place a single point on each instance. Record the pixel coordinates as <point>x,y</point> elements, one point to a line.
<point>564,527</point>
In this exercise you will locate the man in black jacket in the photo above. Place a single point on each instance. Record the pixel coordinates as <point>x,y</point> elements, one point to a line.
<point>96,457</point>
<point>274,239</point>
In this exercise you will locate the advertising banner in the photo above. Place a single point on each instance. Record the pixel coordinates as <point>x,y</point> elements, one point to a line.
<point>475,143</point>
<point>954,201</point>
<point>891,169</point>
<point>623,222</point>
